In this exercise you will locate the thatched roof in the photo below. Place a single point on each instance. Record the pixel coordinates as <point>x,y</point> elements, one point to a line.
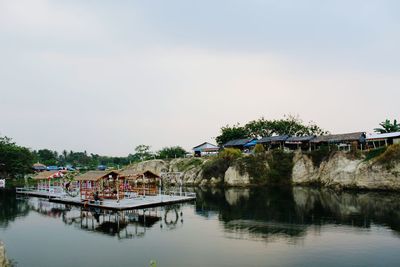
<point>337,138</point>
<point>134,174</point>
<point>238,142</point>
<point>271,139</point>
<point>44,175</point>
<point>94,175</point>
<point>39,165</point>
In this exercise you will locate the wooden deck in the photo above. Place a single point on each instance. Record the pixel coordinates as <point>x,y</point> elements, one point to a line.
<point>123,204</point>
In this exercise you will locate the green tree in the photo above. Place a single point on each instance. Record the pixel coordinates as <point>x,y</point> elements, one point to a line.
<point>172,152</point>
<point>229,133</point>
<point>14,160</point>
<point>46,156</point>
<point>143,152</point>
<point>388,127</point>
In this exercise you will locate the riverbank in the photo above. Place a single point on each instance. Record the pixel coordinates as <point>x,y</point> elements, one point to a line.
<point>376,170</point>
<point>3,258</point>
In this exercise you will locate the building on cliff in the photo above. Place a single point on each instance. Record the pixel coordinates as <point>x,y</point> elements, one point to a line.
<point>299,142</point>
<point>239,143</point>
<point>271,142</point>
<point>205,149</point>
<point>380,140</point>
<point>342,141</point>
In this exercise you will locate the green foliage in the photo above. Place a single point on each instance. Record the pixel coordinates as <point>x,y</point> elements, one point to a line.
<point>274,168</point>
<point>143,152</point>
<point>289,125</point>
<point>229,133</point>
<point>280,167</point>
<point>255,166</point>
<point>230,154</point>
<point>318,156</point>
<point>259,149</point>
<point>171,152</point>
<point>217,166</point>
<point>388,127</point>
<point>372,154</point>
<point>185,165</point>
<point>389,157</point>
<point>14,160</point>
<point>46,156</point>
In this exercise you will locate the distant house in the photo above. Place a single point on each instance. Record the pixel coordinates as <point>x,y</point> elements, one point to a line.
<point>101,167</point>
<point>205,149</point>
<point>52,168</point>
<point>238,143</point>
<point>343,141</point>
<point>299,142</point>
<point>385,139</point>
<point>38,167</point>
<point>271,142</point>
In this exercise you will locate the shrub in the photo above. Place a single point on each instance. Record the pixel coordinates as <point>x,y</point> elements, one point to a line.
<point>318,156</point>
<point>185,165</point>
<point>259,149</point>
<point>372,154</point>
<point>230,154</point>
<point>389,157</point>
<point>279,172</point>
<point>217,167</point>
<point>280,167</point>
<point>255,166</point>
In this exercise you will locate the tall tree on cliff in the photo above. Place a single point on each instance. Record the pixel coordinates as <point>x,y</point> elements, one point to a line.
<point>289,125</point>
<point>172,152</point>
<point>231,132</point>
<point>14,160</point>
<point>388,127</point>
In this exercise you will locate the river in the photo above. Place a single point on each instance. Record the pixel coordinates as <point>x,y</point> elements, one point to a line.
<point>297,226</point>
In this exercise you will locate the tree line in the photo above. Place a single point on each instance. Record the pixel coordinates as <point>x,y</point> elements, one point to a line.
<point>289,125</point>
<point>16,161</point>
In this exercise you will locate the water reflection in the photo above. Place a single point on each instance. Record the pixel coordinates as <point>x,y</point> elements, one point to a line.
<point>127,224</point>
<point>11,207</point>
<point>265,213</point>
<point>252,213</point>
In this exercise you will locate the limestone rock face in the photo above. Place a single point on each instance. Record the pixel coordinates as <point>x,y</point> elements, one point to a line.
<point>156,166</point>
<point>234,178</point>
<point>372,176</point>
<point>340,171</point>
<point>303,169</point>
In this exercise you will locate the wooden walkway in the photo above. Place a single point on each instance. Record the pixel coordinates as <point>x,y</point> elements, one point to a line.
<point>123,204</point>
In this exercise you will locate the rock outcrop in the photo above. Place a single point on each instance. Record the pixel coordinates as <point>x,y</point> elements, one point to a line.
<point>233,177</point>
<point>3,259</point>
<point>341,171</point>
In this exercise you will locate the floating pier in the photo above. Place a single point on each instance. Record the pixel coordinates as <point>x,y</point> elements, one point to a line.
<point>112,204</point>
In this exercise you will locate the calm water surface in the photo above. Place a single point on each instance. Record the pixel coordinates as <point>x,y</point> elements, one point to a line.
<point>232,227</point>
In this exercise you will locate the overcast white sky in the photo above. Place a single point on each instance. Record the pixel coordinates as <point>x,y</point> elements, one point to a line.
<point>106,76</point>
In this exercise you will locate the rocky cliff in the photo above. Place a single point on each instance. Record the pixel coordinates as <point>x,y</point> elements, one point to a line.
<point>338,170</point>
<point>343,171</point>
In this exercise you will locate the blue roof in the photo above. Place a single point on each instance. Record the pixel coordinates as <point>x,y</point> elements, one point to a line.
<point>251,143</point>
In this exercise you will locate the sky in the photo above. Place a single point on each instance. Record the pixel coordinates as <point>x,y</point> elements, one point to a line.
<point>106,76</point>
